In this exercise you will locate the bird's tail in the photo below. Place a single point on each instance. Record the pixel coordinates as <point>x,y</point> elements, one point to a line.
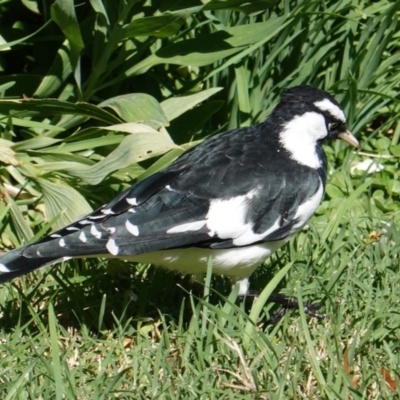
<point>14,264</point>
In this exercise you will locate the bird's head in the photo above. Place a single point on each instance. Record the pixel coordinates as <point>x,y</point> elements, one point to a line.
<point>313,115</point>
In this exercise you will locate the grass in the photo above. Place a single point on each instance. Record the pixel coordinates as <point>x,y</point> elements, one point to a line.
<point>89,107</point>
<point>67,337</point>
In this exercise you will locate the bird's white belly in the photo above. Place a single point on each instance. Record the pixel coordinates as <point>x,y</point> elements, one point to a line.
<point>237,262</point>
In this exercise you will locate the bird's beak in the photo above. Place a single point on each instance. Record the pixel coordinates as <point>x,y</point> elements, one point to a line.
<point>349,138</point>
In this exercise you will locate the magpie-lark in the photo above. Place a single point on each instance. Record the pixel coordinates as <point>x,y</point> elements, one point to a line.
<point>236,197</point>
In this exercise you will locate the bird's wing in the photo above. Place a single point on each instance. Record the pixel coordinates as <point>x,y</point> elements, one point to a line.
<point>137,229</point>
<point>218,196</point>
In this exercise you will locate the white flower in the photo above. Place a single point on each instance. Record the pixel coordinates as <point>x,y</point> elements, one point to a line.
<point>369,165</point>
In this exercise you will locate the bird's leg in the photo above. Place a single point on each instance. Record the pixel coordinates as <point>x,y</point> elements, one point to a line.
<point>288,303</point>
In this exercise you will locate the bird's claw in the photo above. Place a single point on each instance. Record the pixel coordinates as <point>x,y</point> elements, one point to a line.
<point>289,303</point>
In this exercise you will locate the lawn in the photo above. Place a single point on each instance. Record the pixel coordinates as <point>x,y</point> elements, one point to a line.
<point>97,95</point>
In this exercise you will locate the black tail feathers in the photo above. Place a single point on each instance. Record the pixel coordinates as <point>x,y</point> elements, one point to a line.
<point>14,264</point>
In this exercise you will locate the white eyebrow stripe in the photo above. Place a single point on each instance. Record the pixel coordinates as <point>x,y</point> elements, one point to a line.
<point>333,109</point>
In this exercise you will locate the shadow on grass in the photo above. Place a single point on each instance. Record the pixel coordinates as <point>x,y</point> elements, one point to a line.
<point>100,294</point>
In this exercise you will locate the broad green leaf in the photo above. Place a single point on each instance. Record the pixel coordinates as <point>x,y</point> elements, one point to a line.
<point>28,123</point>
<point>136,127</point>
<point>60,166</point>
<point>137,107</point>
<point>163,162</point>
<point>183,56</point>
<point>62,201</point>
<point>3,42</point>
<point>51,162</point>
<point>52,158</point>
<point>8,45</point>
<point>98,6</point>
<point>85,144</point>
<point>63,14</point>
<point>57,74</point>
<point>244,6</point>
<point>176,5</point>
<point>22,226</point>
<point>161,26</point>
<point>38,142</point>
<point>32,107</point>
<point>32,5</point>
<point>143,143</point>
<point>20,175</point>
<point>207,49</point>
<point>242,79</point>
<point>7,154</point>
<point>176,106</point>
<point>185,126</point>
<point>5,86</point>
<point>24,84</point>
<point>232,37</point>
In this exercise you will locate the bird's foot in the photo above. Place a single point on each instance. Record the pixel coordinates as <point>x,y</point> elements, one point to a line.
<point>289,303</point>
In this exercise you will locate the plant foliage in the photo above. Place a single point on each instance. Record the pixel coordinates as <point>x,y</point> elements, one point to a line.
<point>96,95</point>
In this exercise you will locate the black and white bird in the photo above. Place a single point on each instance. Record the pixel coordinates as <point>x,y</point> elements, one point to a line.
<point>237,197</point>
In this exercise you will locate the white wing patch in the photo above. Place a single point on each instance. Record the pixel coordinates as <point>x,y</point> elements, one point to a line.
<point>3,268</point>
<point>61,243</point>
<point>95,232</point>
<point>112,247</point>
<point>132,201</point>
<point>107,211</point>
<point>225,218</point>
<point>188,227</point>
<point>98,216</point>
<point>82,237</point>
<point>85,222</point>
<point>132,229</point>
<point>300,135</point>
<point>333,109</point>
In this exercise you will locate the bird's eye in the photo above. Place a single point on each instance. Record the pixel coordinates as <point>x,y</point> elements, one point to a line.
<point>333,125</point>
